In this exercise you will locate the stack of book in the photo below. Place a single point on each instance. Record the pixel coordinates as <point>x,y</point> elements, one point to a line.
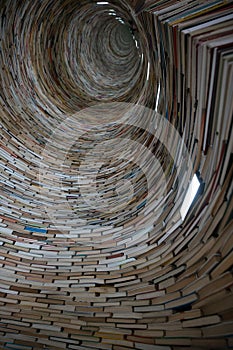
<point>112,264</point>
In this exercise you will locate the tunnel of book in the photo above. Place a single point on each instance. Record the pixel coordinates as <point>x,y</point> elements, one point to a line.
<point>116,174</point>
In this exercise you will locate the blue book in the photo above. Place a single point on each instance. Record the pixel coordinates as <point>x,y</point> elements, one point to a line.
<point>35,229</point>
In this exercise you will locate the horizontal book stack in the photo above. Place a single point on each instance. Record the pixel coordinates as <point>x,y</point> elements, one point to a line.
<point>94,252</point>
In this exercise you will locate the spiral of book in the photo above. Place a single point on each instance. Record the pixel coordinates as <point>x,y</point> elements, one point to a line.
<point>116,143</point>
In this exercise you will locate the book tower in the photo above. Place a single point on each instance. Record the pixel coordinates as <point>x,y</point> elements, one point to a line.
<point>116,142</point>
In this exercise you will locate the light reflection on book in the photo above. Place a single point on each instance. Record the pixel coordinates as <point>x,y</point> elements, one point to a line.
<point>189,197</point>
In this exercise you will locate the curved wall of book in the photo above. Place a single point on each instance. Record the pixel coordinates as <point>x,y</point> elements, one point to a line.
<point>108,111</point>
